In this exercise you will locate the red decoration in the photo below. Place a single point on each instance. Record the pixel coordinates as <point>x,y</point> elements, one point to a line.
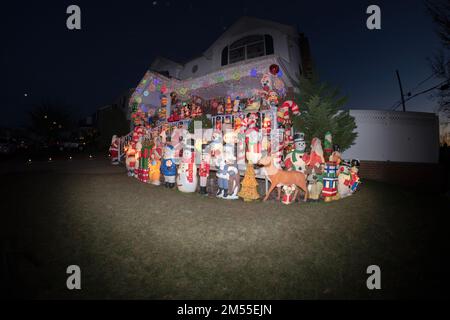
<point>274,69</point>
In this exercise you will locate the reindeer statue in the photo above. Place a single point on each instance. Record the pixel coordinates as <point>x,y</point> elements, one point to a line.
<point>279,178</point>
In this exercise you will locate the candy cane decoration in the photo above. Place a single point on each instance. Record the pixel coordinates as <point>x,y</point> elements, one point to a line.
<point>283,111</point>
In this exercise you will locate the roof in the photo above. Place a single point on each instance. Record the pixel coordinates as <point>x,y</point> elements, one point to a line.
<point>246,22</point>
<point>243,22</point>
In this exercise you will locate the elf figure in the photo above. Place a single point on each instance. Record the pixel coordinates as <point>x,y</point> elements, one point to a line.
<point>204,169</point>
<point>168,167</point>
<point>114,150</point>
<point>187,170</point>
<point>328,144</point>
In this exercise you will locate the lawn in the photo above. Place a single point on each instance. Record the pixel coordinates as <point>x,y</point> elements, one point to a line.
<point>133,240</point>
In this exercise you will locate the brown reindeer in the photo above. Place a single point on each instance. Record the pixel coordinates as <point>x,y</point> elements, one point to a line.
<point>278,178</point>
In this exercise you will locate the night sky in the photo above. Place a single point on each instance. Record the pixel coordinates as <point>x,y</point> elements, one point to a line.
<point>88,68</point>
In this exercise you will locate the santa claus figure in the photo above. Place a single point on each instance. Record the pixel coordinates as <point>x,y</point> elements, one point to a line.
<point>315,157</point>
<point>204,169</point>
<point>289,193</point>
<point>187,170</point>
<point>114,150</point>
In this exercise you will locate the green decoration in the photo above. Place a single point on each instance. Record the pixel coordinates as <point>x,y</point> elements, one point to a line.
<point>322,111</point>
<point>206,123</point>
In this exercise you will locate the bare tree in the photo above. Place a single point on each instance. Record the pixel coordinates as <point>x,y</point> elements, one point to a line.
<point>439,10</point>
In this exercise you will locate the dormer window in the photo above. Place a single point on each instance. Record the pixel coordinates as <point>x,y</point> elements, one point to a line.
<point>247,48</point>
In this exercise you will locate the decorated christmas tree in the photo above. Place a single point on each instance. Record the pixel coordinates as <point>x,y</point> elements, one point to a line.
<point>249,189</point>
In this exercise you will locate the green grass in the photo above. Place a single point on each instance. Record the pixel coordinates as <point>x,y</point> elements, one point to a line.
<point>134,240</point>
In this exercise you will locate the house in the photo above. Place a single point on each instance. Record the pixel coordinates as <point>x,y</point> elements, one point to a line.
<point>231,66</point>
<point>399,147</point>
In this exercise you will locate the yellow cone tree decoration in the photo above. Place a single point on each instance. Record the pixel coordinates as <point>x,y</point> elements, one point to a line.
<point>249,189</point>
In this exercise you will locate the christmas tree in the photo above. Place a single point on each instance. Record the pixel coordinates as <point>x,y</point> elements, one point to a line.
<point>249,189</point>
<point>322,111</point>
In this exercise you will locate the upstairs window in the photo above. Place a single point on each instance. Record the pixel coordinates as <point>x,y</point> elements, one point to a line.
<point>225,56</point>
<point>247,48</point>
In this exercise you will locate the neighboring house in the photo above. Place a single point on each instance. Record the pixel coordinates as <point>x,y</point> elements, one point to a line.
<point>444,127</point>
<point>231,66</point>
<point>398,147</point>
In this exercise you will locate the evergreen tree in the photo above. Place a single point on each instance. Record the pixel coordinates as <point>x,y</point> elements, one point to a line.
<point>322,110</point>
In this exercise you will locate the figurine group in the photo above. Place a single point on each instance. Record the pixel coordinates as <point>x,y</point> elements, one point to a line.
<point>327,175</point>
<point>318,174</point>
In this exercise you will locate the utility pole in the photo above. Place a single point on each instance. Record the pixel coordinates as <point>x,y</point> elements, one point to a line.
<point>401,90</point>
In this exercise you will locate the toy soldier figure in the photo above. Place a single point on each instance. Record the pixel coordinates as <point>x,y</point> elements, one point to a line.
<point>204,169</point>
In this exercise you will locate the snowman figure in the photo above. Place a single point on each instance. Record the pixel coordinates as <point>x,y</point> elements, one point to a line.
<point>187,170</point>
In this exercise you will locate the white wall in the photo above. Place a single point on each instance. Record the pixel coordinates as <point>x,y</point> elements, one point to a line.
<point>285,48</point>
<point>395,136</point>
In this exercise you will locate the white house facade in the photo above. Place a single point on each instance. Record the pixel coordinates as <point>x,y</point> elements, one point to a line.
<point>231,66</point>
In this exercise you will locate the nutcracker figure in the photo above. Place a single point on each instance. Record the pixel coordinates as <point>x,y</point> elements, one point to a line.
<point>204,169</point>
<point>330,179</point>
<point>187,170</point>
<point>355,180</point>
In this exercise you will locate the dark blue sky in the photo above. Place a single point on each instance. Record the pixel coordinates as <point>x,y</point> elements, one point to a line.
<point>89,68</point>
